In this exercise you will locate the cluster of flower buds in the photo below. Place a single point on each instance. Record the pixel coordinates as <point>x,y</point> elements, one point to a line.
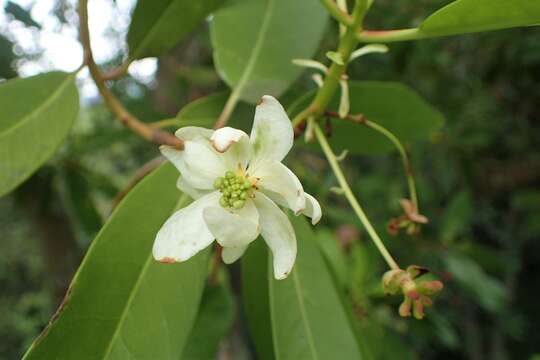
<point>234,189</point>
<point>417,293</point>
<point>410,220</point>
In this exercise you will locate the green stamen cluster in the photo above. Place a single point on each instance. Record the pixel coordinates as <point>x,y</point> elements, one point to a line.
<point>234,189</point>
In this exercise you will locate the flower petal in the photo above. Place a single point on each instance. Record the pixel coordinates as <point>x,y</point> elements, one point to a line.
<point>231,254</point>
<point>276,179</point>
<point>272,134</point>
<point>185,233</point>
<point>233,229</point>
<point>186,188</point>
<point>234,144</point>
<point>278,233</point>
<point>199,164</point>
<point>193,133</point>
<point>313,209</point>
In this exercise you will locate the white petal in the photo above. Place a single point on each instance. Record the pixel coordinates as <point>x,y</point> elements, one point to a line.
<point>313,209</point>
<point>233,228</point>
<point>231,254</point>
<point>278,233</point>
<point>272,134</point>
<point>276,178</point>
<point>191,133</point>
<point>186,188</point>
<point>198,163</point>
<point>223,138</point>
<point>185,233</point>
<point>234,144</point>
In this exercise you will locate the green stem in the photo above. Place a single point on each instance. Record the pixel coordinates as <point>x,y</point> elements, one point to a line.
<point>351,198</point>
<point>326,92</point>
<point>337,13</point>
<point>404,157</point>
<point>387,36</point>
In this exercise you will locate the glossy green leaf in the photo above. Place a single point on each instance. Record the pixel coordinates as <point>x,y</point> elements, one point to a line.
<point>215,319</point>
<point>205,111</point>
<point>122,304</point>
<point>392,105</point>
<point>158,25</point>
<point>255,40</point>
<point>308,319</point>
<point>37,114</point>
<point>255,277</point>
<point>465,16</point>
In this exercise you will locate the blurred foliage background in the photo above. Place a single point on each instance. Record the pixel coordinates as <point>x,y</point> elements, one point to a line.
<point>478,183</point>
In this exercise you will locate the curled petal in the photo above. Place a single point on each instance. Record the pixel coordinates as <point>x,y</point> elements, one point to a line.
<point>223,138</point>
<point>233,229</point>
<point>185,233</point>
<point>233,144</point>
<point>198,163</point>
<point>272,134</point>
<point>313,209</point>
<point>278,233</point>
<point>231,254</point>
<point>276,179</point>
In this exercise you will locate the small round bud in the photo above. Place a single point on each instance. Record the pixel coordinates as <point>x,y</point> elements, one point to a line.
<point>243,195</point>
<point>223,202</point>
<point>238,204</point>
<point>247,184</point>
<point>218,183</point>
<point>229,175</point>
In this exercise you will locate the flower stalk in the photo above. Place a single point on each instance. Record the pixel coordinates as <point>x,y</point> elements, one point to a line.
<point>347,192</point>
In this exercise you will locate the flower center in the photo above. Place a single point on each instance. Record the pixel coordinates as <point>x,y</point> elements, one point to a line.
<point>235,189</point>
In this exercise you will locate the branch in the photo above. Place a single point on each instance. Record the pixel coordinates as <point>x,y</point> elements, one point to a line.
<point>338,14</point>
<point>117,72</point>
<point>125,117</point>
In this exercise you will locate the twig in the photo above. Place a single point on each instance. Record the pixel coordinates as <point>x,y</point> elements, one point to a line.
<point>117,72</point>
<point>125,117</point>
<point>216,263</point>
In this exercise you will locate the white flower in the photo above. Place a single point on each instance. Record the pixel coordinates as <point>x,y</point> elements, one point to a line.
<point>236,181</point>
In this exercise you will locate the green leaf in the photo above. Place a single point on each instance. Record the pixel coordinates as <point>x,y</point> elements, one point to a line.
<point>205,111</point>
<point>122,304</point>
<point>255,277</point>
<point>308,319</point>
<point>465,16</point>
<point>37,115</point>
<point>215,319</point>
<point>392,105</point>
<point>255,40</point>
<point>21,14</point>
<point>158,25</point>
<point>486,290</point>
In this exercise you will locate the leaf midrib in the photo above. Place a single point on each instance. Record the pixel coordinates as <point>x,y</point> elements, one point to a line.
<point>254,56</point>
<point>303,313</point>
<point>43,105</point>
<point>135,290</point>
<point>150,34</point>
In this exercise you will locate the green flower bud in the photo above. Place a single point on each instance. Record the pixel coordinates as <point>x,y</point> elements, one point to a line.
<point>243,195</point>
<point>238,204</point>
<point>247,184</point>
<point>229,175</point>
<point>223,202</point>
<point>218,183</point>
